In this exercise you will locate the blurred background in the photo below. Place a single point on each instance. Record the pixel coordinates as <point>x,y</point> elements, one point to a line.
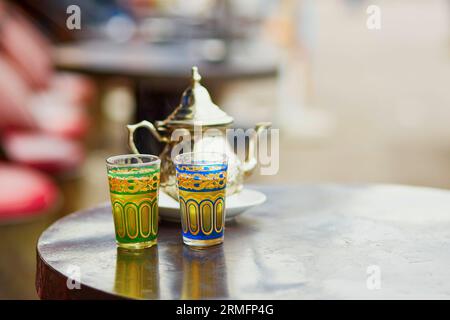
<point>353,105</point>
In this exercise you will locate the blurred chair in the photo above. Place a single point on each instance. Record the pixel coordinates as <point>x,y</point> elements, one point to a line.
<point>42,112</point>
<point>41,118</point>
<point>38,130</point>
<point>31,56</point>
<point>25,47</point>
<point>26,193</point>
<point>49,153</point>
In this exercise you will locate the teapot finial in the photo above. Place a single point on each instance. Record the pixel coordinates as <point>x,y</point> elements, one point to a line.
<point>196,107</point>
<point>196,77</point>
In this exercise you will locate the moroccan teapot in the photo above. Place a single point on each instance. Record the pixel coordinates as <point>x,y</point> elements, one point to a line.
<point>197,124</point>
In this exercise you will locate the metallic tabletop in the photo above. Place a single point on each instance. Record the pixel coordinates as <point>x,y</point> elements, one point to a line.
<point>307,241</point>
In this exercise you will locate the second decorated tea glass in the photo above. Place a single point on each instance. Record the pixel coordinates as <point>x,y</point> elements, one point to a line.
<point>201,181</point>
<point>134,186</point>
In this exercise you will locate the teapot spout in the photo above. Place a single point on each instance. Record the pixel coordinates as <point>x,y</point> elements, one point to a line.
<point>251,161</point>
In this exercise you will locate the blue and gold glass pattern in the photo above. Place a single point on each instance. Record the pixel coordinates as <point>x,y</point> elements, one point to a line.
<point>201,189</point>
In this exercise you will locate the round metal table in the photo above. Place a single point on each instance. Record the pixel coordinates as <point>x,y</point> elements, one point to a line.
<point>307,241</point>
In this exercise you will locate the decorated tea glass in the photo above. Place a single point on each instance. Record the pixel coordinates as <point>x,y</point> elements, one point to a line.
<point>201,182</point>
<point>134,186</point>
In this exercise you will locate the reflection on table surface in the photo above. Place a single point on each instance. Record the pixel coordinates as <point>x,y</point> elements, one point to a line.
<point>137,273</point>
<point>202,276</point>
<point>204,273</point>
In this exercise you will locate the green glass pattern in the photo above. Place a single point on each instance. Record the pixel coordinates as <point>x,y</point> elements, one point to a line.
<point>134,200</point>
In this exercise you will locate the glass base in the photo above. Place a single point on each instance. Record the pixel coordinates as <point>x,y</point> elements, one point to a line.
<point>137,245</point>
<point>202,243</point>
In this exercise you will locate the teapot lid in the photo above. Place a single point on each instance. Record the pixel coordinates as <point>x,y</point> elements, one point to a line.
<point>196,107</point>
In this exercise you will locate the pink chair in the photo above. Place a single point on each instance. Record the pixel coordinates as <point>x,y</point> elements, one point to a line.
<point>77,89</point>
<point>31,54</point>
<point>25,193</point>
<point>52,114</point>
<point>26,47</point>
<point>46,152</point>
<point>38,97</point>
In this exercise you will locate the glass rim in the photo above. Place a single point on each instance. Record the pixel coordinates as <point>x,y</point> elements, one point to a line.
<point>222,158</point>
<point>154,160</point>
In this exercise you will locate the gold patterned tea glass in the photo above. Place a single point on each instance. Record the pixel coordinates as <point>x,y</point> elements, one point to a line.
<point>134,186</point>
<point>201,181</point>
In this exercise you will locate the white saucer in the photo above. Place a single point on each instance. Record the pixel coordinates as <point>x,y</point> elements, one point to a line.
<point>236,204</point>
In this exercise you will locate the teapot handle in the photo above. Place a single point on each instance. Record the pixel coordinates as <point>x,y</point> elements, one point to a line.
<point>149,126</point>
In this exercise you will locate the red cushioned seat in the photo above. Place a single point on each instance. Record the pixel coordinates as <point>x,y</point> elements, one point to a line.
<point>25,192</point>
<point>53,154</point>
<point>77,88</point>
<point>54,115</point>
